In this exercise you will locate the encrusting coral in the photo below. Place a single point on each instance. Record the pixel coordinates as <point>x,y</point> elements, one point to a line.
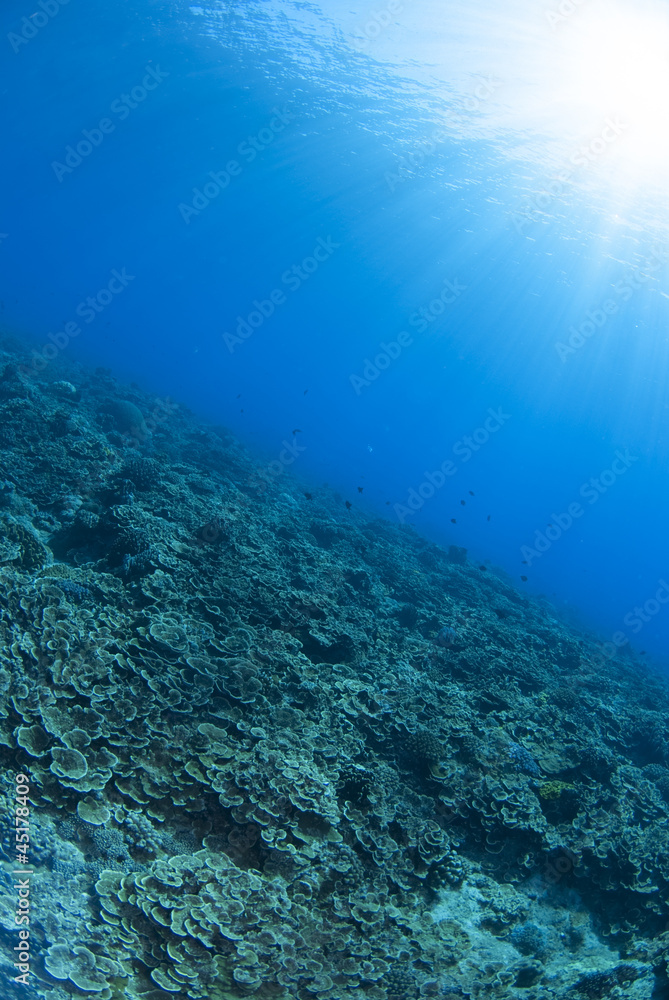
<point>278,748</point>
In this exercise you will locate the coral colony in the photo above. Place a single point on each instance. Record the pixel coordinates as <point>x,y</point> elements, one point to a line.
<point>277,749</point>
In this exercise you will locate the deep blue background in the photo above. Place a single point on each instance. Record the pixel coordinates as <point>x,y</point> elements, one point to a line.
<point>452,217</point>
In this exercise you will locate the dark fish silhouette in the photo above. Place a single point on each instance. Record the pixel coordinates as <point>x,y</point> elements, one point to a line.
<point>453,521</point>
<point>524,579</point>
<point>360,489</point>
<point>348,505</point>
<point>308,495</point>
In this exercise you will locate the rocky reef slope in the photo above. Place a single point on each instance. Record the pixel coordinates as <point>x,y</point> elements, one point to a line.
<point>277,749</point>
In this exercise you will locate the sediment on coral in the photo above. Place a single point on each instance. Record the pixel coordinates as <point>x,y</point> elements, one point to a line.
<point>279,747</point>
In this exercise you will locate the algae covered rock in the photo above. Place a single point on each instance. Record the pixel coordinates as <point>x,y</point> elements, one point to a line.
<point>127,417</point>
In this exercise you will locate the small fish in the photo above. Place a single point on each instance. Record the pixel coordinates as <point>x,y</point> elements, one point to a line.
<point>471,494</point>
<point>524,579</point>
<point>387,503</point>
<point>308,495</point>
<point>360,489</point>
<point>483,568</point>
<point>453,521</point>
<point>238,396</point>
<point>524,562</point>
<point>296,431</point>
<point>462,503</point>
<point>488,517</point>
<point>348,505</point>
<point>305,392</point>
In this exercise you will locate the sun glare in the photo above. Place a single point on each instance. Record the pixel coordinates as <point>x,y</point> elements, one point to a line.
<point>617,67</point>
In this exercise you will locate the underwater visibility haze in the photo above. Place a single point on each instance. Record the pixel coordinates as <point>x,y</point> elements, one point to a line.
<point>334,462</point>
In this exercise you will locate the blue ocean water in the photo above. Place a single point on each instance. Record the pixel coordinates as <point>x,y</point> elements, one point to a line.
<point>261,737</point>
<point>417,144</point>
<point>463,230</point>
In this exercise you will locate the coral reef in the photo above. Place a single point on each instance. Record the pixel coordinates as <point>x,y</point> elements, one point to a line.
<point>261,764</point>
